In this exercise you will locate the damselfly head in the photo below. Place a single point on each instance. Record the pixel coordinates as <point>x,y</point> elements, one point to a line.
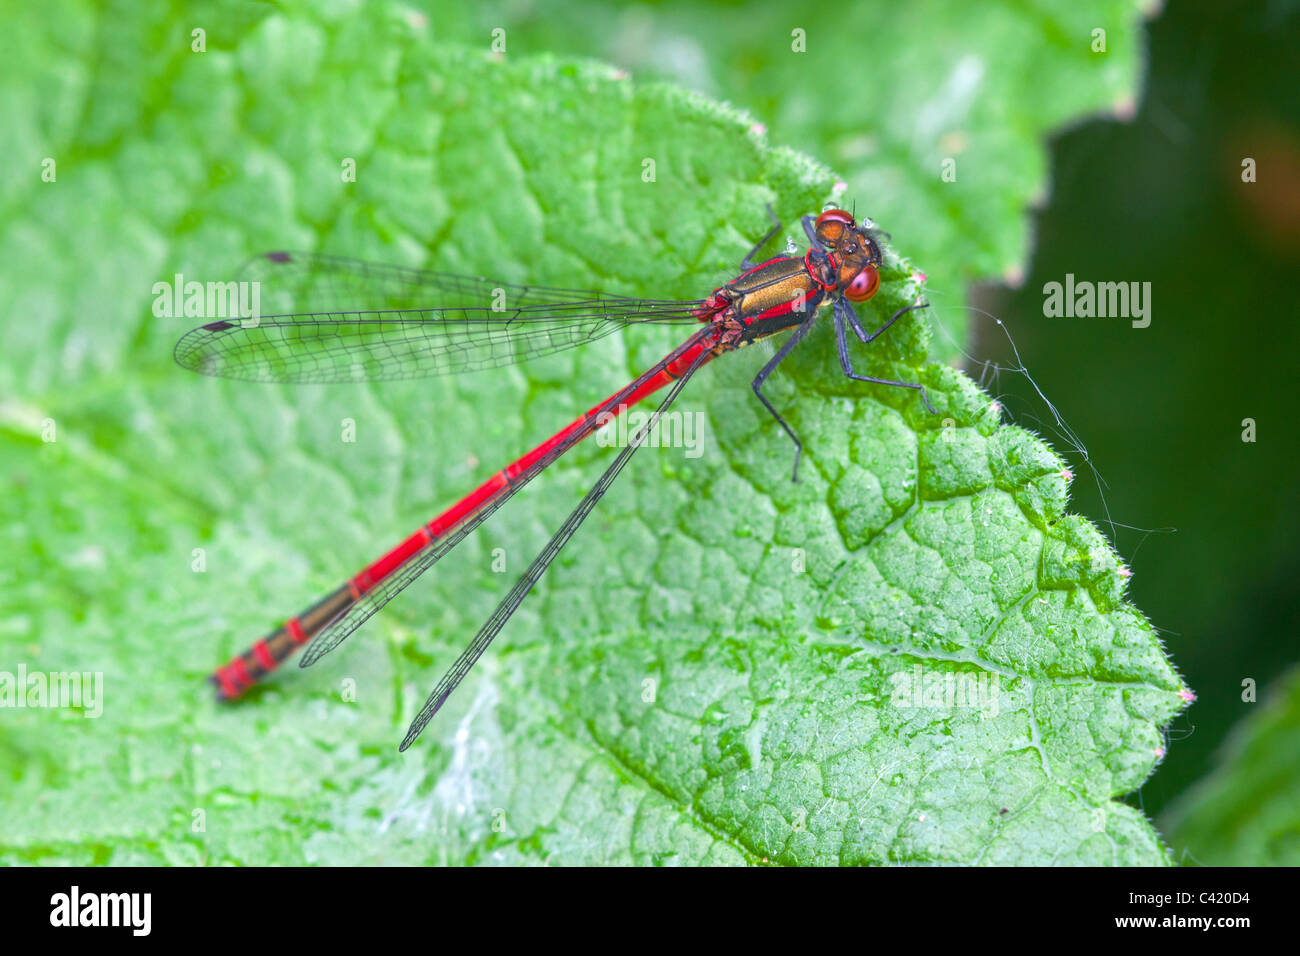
<point>844,236</point>
<point>856,251</point>
<point>832,224</point>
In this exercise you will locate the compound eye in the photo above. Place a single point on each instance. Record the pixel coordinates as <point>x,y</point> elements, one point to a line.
<point>834,215</point>
<point>864,285</point>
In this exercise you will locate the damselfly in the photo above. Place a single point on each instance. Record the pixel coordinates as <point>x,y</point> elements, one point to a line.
<point>358,323</point>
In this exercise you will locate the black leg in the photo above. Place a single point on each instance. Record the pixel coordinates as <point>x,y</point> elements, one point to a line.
<point>810,230</point>
<point>768,369</point>
<point>747,263</point>
<point>852,316</point>
<point>842,344</point>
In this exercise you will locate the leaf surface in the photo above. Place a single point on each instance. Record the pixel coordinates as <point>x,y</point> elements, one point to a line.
<point>912,655</point>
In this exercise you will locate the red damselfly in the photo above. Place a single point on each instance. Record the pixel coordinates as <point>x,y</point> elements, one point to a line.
<point>368,322</point>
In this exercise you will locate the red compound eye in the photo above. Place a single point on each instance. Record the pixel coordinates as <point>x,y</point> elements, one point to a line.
<point>834,215</point>
<point>864,285</point>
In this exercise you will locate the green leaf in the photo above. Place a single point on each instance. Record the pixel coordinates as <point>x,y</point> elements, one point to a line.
<point>1245,812</point>
<point>723,667</point>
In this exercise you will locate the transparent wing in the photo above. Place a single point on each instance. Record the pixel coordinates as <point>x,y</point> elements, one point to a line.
<point>326,319</point>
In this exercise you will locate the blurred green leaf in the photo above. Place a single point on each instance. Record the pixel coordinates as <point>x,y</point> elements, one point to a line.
<point>724,666</point>
<point>1246,812</point>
